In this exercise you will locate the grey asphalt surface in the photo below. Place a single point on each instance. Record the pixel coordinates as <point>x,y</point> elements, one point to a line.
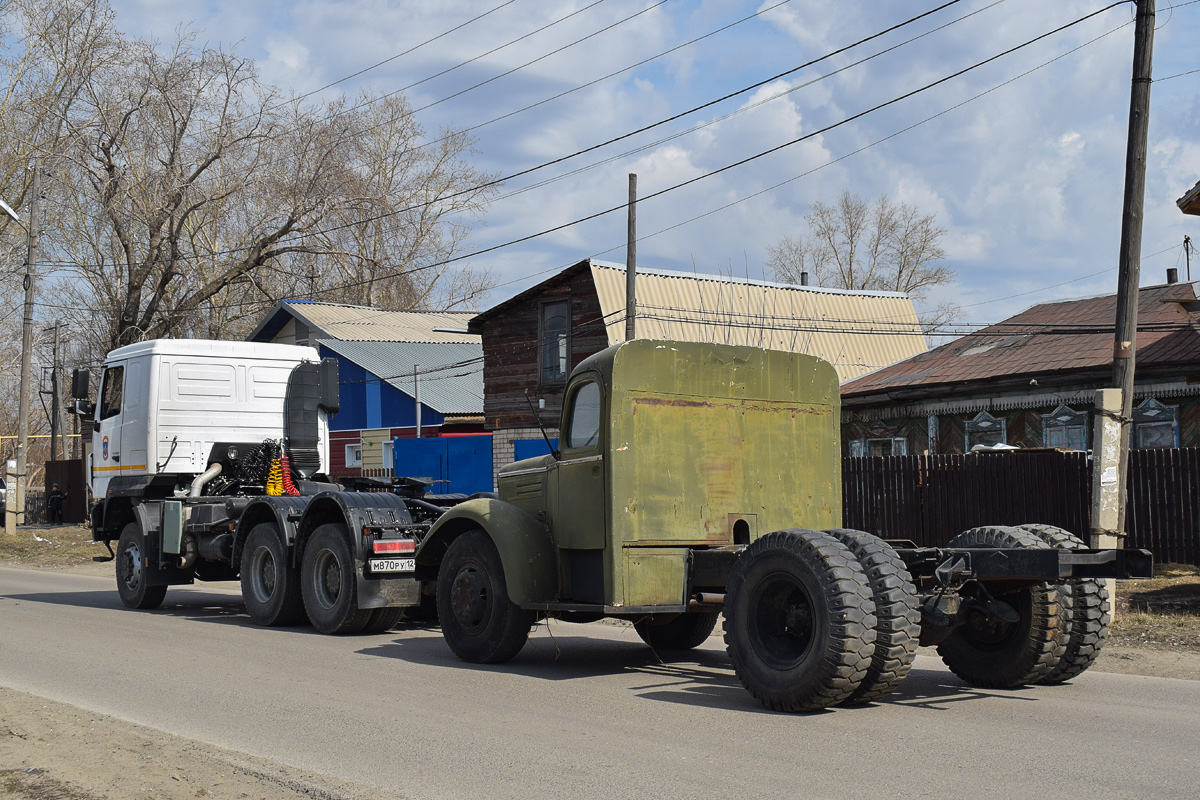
<point>583,711</point>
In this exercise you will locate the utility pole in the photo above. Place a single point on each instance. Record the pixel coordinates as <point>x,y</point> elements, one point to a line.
<point>1187,254</point>
<point>1124,346</point>
<point>55,427</point>
<point>631,261</point>
<point>31,258</point>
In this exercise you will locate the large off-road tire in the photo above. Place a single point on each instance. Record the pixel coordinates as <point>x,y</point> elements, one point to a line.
<point>1084,607</point>
<point>479,622</point>
<point>994,654</point>
<point>382,619</point>
<point>270,584</point>
<point>131,572</point>
<point>328,581</point>
<point>897,613</point>
<point>683,632</point>
<point>799,620</point>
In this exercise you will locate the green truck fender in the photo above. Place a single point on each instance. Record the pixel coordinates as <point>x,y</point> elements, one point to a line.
<point>526,550</point>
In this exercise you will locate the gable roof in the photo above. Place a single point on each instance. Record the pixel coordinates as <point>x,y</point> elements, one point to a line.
<point>1190,202</point>
<point>451,373</point>
<point>1067,339</point>
<point>856,332</point>
<point>366,324</point>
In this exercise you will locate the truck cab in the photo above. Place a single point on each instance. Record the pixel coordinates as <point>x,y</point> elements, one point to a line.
<point>672,447</point>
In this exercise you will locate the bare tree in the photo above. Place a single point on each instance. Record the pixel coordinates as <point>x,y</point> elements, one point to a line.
<point>853,244</point>
<point>411,209</point>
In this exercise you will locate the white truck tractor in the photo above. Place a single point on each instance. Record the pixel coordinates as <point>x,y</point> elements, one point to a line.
<point>209,461</point>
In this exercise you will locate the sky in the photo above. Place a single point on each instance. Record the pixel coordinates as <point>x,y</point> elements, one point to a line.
<point>1021,159</point>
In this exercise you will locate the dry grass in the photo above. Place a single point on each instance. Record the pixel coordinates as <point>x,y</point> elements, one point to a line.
<point>49,547</point>
<point>1162,613</point>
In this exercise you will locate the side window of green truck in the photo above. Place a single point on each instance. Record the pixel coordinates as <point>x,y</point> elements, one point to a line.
<point>583,426</point>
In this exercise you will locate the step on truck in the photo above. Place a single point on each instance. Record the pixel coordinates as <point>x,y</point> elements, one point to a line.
<point>694,480</point>
<point>210,462</point>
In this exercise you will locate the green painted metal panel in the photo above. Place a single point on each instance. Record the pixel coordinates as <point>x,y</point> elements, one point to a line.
<point>703,435</point>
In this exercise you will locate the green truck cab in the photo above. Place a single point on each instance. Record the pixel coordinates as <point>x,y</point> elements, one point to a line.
<point>695,479</point>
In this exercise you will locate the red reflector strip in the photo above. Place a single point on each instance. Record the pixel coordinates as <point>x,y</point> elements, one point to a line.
<point>395,546</point>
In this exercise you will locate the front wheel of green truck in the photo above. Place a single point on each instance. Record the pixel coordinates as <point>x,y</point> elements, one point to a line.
<point>799,620</point>
<point>131,572</point>
<point>683,632</point>
<point>479,622</point>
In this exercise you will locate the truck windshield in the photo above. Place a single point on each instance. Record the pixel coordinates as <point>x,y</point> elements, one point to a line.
<point>584,428</point>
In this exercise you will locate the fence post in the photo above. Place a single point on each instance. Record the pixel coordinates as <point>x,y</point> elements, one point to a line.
<point>1106,487</point>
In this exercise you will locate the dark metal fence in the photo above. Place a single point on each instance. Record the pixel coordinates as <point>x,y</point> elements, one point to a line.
<point>930,499</point>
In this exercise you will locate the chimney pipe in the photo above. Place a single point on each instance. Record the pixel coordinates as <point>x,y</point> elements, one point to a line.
<point>804,279</point>
<point>1172,275</point>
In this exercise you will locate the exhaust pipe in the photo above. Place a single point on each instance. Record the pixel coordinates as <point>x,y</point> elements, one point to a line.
<point>213,471</point>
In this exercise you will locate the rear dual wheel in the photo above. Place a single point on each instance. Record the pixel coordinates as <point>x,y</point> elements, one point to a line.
<point>799,620</point>
<point>1085,610</point>
<point>328,582</point>
<point>270,584</point>
<point>990,652</point>
<point>897,613</point>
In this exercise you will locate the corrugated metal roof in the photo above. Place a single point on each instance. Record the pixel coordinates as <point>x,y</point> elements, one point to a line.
<point>451,373</point>
<point>1061,337</point>
<point>857,332</point>
<point>361,324</point>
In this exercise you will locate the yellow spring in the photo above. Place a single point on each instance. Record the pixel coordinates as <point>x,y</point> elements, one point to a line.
<point>275,479</point>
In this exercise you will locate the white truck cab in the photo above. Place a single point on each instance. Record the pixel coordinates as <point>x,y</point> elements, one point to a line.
<point>163,405</point>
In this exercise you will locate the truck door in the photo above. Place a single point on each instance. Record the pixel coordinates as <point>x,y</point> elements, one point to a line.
<point>579,522</point>
<point>106,441</point>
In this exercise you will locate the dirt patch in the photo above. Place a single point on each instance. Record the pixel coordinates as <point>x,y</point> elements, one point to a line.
<point>1162,613</point>
<point>67,548</point>
<point>54,751</point>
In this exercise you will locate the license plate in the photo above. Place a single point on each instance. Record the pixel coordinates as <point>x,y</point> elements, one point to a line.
<point>392,564</point>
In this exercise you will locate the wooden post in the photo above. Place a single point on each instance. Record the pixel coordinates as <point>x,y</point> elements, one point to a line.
<point>631,261</point>
<point>1124,345</point>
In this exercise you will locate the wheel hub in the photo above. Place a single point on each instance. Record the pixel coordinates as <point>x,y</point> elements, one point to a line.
<point>327,578</point>
<point>781,624</point>
<point>263,574</point>
<point>131,567</point>
<point>471,598</point>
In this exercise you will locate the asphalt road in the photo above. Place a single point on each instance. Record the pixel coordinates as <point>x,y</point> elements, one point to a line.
<point>583,711</point>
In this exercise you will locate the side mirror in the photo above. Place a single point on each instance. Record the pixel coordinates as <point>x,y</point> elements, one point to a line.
<point>80,383</point>
<point>329,394</point>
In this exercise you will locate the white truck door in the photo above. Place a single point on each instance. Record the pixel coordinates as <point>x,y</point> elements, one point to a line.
<point>106,441</point>
<point>133,418</point>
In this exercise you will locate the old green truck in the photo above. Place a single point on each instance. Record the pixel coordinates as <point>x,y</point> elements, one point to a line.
<point>699,479</point>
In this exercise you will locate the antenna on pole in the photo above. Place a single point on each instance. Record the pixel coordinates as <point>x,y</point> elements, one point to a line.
<point>631,261</point>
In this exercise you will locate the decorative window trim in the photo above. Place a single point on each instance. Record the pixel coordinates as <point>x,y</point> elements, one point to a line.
<point>1066,419</point>
<point>860,448</point>
<point>1151,415</point>
<point>983,425</point>
<point>354,455</point>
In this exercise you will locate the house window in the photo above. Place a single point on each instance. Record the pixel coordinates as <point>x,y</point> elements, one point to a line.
<point>389,459</point>
<point>354,455</point>
<point>1155,425</point>
<point>986,430</point>
<point>896,446</point>
<point>554,341</point>
<point>1065,428</point>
